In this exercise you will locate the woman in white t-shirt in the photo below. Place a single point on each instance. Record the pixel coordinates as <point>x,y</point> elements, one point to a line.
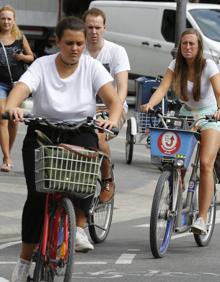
<point>196,81</point>
<point>64,88</point>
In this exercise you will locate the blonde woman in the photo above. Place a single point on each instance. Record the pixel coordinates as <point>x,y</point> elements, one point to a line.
<point>196,81</point>
<point>18,53</point>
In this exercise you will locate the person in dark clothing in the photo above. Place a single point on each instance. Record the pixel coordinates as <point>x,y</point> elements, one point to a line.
<point>64,88</point>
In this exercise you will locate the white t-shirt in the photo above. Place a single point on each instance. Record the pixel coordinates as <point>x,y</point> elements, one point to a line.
<point>65,99</point>
<point>115,59</point>
<point>207,96</point>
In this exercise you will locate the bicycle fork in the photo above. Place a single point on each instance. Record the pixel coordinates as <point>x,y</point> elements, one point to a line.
<point>51,233</point>
<point>45,227</point>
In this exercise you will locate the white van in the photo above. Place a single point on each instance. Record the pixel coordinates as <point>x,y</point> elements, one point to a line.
<point>147,31</point>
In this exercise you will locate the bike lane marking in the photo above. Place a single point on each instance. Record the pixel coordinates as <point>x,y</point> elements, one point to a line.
<point>125,259</point>
<point>6,245</point>
<point>217,221</point>
<point>115,274</point>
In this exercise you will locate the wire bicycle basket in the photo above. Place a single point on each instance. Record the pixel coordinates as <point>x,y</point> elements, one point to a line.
<point>58,169</point>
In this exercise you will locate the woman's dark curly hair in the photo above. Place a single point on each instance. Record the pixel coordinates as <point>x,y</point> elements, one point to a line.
<point>72,23</point>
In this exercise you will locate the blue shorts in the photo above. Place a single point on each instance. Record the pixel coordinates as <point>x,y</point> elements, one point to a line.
<point>4,90</point>
<point>203,124</point>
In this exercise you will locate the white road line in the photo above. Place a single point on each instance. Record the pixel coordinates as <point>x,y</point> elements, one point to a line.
<point>77,262</point>
<point>6,245</point>
<point>7,262</point>
<point>145,225</point>
<point>217,220</point>
<point>181,235</point>
<point>125,259</point>
<point>90,262</point>
<point>3,280</point>
<point>133,250</point>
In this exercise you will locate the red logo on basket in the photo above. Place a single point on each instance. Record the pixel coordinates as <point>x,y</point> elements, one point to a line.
<point>168,142</point>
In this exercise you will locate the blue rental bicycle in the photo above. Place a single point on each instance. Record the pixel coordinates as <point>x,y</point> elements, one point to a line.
<point>175,147</point>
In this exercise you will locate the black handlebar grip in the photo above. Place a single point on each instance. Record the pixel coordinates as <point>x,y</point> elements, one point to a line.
<point>28,115</point>
<point>5,115</point>
<point>115,130</point>
<point>151,111</point>
<point>210,117</point>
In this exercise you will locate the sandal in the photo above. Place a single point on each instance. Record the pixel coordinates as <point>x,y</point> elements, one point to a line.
<point>6,167</point>
<point>107,191</point>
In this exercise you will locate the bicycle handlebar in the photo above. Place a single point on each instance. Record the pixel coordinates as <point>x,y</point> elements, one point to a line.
<point>66,126</point>
<point>192,122</point>
<point>6,115</point>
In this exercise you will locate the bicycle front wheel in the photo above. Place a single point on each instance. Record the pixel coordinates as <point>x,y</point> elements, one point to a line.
<point>100,220</point>
<point>65,228</point>
<point>203,240</point>
<point>58,263</point>
<point>161,221</point>
<point>39,266</point>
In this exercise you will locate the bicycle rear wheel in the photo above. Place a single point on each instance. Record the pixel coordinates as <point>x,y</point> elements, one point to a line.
<point>100,220</point>
<point>161,221</point>
<point>58,263</point>
<point>203,240</point>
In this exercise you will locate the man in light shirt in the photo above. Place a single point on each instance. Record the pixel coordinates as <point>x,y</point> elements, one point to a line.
<point>115,59</point>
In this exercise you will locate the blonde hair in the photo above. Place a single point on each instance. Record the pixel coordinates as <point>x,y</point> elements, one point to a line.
<point>16,32</point>
<point>181,69</point>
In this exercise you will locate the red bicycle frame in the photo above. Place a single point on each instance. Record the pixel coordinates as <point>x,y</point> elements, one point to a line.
<point>51,230</point>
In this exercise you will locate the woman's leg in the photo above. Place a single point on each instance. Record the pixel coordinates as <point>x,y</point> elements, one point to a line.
<point>210,144</point>
<point>33,211</point>
<point>4,135</point>
<point>32,217</point>
<point>27,251</point>
<point>12,129</point>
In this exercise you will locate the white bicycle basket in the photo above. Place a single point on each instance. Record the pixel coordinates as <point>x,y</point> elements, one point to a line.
<point>58,169</point>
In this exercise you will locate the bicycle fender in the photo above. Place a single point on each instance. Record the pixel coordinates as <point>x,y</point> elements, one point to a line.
<point>133,126</point>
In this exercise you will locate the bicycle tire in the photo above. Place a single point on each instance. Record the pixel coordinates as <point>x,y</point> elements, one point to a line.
<point>100,220</point>
<point>39,267</point>
<point>41,271</point>
<point>129,143</point>
<point>203,240</point>
<point>52,268</point>
<point>159,242</point>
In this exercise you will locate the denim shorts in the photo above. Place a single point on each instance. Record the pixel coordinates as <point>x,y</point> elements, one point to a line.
<point>4,90</point>
<point>198,113</point>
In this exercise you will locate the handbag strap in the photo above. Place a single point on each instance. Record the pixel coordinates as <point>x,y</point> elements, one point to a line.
<point>6,58</point>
